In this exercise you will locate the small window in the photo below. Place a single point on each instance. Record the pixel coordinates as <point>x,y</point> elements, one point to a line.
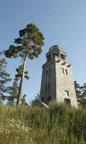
<point>67,101</point>
<point>67,92</point>
<point>48,86</point>
<point>55,55</point>
<point>63,56</point>
<point>63,70</point>
<point>49,71</point>
<point>46,72</point>
<point>66,71</point>
<point>48,57</point>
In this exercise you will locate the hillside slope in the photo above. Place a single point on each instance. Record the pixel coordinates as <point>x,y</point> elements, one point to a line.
<point>59,124</point>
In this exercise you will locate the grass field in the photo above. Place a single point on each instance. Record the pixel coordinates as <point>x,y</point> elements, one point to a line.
<point>59,124</point>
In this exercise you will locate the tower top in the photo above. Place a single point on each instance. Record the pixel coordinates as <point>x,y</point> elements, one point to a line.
<point>56,48</point>
<point>54,51</point>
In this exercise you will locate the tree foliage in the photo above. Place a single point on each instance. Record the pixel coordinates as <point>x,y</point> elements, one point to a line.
<point>81,93</point>
<point>19,71</point>
<point>29,43</point>
<point>4,78</point>
<point>23,100</point>
<point>13,92</point>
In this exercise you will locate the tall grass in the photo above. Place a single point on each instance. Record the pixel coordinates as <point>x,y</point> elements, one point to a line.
<point>59,124</point>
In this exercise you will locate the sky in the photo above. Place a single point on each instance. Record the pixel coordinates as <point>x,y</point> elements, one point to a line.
<point>62,22</point>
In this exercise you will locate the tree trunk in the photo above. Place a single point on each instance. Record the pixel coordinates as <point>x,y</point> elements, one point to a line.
<point>21,81</point>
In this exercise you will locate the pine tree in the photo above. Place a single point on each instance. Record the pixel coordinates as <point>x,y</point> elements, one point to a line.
<point>4,78</point>
<point>29,45</point>
<point>78,91</point>
<point>19,71</point>
<point>83,95</point>
<point>13,92</point>
<point>23,100</point>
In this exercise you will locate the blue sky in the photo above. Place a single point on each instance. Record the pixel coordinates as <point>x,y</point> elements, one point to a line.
<point>62,22</point>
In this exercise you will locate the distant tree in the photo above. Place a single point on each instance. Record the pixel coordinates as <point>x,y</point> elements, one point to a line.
<point>81,93</point>
<point>4,78</point>
<point>29,45</point>
<point>36,101</point>
<point>23,100</point>
<point>78,90</point>
<point>13,92</point>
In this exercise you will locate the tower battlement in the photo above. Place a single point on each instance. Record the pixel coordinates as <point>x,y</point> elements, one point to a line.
<point>56,51</point>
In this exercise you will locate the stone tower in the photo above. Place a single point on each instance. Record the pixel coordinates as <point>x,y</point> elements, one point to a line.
<point>57,80</point>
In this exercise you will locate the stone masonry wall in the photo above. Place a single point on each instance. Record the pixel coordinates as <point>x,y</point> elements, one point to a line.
<point>64,83</point>
<point>47,79</point>
<point>57,80</point>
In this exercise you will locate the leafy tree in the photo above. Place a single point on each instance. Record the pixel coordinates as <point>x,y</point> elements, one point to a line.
<point>29,45</point>
<point>4,78</point>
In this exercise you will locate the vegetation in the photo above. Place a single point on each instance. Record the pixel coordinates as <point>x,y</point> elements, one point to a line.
<point>28,45</point>
<point>4,78</point>
<point>56,124</point>
<point>13,92</point>
<point>81,93</point>
<point>59,124</point>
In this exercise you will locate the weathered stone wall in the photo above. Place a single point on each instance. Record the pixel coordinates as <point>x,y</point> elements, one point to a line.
<point>48,79</point>
<point>64,83</point>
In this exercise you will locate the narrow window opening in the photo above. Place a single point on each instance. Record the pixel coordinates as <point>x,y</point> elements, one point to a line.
<point>63,56</point>
<point>63,70</point>
<point>46,72</point>
<point>49,71</point>
<point>55,54</point>
<point>48,86</point>
<point>48,57</point>
<point>67,92</point>
<point>66,71</point>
